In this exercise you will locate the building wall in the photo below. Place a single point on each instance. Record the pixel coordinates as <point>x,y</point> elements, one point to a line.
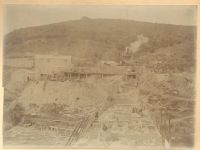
<point>50,64</point>
<point>21,75</point>
<point>26,63</point>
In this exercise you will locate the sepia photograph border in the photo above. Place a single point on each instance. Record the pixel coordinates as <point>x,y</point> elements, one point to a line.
<point>111,2</point>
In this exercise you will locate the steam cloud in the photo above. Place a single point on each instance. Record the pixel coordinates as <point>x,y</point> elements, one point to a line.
<point>134,47</point>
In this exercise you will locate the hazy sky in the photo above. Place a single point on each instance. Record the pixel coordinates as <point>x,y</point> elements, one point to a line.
<point>19,16</point>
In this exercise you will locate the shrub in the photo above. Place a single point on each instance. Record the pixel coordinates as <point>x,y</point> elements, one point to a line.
<point>16,114</point>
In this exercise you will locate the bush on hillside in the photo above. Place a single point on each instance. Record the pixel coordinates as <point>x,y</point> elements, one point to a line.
<point>16,114</point>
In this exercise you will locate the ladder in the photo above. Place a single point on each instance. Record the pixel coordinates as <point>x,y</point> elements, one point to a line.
<point>77,131</point>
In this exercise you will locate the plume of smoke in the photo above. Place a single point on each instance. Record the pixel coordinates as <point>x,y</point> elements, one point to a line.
<point>134,47</point>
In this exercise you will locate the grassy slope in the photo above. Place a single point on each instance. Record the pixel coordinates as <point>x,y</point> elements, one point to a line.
<point>93,38</point>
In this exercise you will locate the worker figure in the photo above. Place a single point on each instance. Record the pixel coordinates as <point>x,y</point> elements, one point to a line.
<point>133,110</point>
<point>96,115</point>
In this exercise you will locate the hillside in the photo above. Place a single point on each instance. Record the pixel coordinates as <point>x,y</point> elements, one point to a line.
<point>94,39</point>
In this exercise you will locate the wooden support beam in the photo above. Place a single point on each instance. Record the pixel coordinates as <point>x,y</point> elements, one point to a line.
<point>79,76</point>
<point>70,75</point>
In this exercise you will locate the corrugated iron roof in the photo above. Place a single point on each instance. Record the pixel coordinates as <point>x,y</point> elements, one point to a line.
<point>53,56</point>
<point>103,69</point>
